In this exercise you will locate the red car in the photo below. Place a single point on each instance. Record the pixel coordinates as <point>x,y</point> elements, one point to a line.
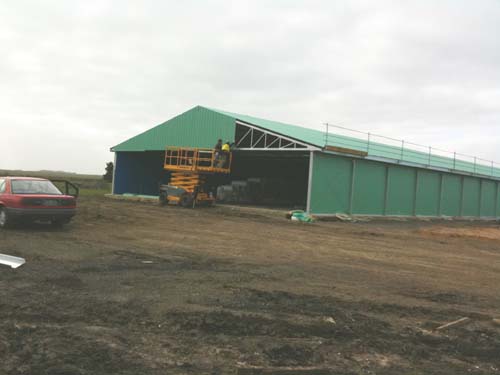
<point>31,199</point>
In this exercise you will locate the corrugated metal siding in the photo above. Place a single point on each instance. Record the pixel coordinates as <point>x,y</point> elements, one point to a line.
<point>369,187</point>
<point>401,190</point>
<point>331,184</point>
<point>497,206</point>
<point>347,185</point>
<point>139,173</point>
<point>452,192</point>
<point>198,127</point>
<point>471,195</point>
<point>428,193</point>
<point>488,198</point>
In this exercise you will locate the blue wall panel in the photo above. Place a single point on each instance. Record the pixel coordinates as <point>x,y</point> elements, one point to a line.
<point>139,172</point>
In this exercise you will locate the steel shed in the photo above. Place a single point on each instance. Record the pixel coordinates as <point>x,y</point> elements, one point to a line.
<point>339,174</point>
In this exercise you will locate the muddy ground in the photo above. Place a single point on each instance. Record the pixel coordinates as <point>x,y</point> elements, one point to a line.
<point>132,288</point>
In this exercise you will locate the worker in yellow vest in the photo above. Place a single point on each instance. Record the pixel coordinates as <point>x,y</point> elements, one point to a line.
<point>226,148</point>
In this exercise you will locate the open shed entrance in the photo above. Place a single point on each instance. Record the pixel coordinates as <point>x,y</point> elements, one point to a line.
<point>268,169</point>
<point>267,178</point>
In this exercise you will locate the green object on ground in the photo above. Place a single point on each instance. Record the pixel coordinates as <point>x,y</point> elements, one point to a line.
<point>300,215</point>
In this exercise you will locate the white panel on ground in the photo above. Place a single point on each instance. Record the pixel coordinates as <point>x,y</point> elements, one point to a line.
<point>11,261</point>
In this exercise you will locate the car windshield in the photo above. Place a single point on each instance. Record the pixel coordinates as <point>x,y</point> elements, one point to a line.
<point>34,187</point>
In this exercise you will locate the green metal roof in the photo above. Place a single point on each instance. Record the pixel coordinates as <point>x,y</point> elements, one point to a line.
<point>376,149</point>
<point>197,127</point>
<point>202,126</point>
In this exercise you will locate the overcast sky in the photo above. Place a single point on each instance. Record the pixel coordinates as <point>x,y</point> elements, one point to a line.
<point>77,77</point>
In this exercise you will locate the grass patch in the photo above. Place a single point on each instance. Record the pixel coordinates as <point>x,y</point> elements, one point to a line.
<point>94,192</point>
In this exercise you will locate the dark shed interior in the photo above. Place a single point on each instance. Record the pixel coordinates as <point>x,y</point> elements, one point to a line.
<point>271,178</point>
<point>280,177</point>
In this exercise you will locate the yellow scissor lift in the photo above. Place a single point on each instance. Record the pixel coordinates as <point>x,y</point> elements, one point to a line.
<point>190,168</point>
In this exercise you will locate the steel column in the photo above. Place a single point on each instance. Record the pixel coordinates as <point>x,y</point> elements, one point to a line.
<point>309,182</point>
<point>386,189</point>
<point>480,195</point>
<point>440,203</point>
<point>353,176</point>
<point>462,197</point>
<point>113,180</point>
<point>496,200</point>
<point>416,193</point>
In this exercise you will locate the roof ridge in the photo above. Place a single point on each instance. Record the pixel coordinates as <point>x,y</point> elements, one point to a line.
<point>222,111</point>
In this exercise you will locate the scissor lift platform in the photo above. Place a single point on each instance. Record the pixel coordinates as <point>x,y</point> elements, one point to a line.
<point>189,169</point>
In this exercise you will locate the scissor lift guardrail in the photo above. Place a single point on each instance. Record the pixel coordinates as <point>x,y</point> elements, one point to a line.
<point>204,160</point>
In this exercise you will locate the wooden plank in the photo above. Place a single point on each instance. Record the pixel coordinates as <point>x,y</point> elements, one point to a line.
<point>344,150</point>
<point>455,323</point>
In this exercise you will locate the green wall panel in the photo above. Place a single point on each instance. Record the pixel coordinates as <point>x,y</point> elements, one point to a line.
<point>452,188</point>
<point>331,184</point>
<point>331,190</point>
<point>401,190</point>
<point>471,196</point>
<point>497,212</point>
<point>369,188</point>
<point>488,198</point>
<point>428,193</point>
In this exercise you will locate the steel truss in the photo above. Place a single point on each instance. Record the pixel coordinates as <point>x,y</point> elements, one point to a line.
<point>250,137</point>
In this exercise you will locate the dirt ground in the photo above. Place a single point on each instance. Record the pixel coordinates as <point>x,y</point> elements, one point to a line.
<point>132,288</point>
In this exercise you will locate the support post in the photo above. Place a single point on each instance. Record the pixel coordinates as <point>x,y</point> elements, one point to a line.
<point>386,188</point>
<point>309,182</point>
<point>416,193</point>
<point>113,180</point>
<point>480,195</point>
<point>368,144</point>
<point>496,199</point>
<point>462,197</point>
<point>353,176</point>
<point>440,203</point>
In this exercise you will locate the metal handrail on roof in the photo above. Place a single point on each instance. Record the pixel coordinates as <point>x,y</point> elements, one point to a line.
<point>375,145</point>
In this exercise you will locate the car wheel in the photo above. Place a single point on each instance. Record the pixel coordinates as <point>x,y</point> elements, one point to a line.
<point>4,218</point>
<point>58,223</point>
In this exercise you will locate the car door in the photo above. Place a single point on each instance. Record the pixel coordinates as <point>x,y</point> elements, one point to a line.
<point>67,188</point>
<point>3,187</point>
<point>5,196</point>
